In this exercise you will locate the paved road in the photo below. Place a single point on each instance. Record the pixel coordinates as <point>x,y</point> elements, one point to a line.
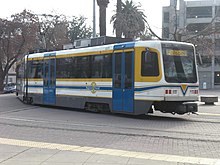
<point>29,129</point>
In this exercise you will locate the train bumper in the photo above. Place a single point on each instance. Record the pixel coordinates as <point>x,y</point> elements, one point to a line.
<point>176,107</point>
<point>190,107</point>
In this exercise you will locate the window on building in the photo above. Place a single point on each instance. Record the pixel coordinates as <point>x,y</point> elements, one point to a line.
<point>217,44</point>
<point>206,60</point>
<point>217,11</point>
<point>199,12</point>
<point>217,60</point>
<point>217,78</point>
<point>166,32</point>
<point>196,27</point>
<point>217,26</point>
<point>166,16</point>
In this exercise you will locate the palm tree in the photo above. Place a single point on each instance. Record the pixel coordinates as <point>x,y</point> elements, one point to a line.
<point>118,30</point>
<point>102,16</point>
<point>131,20</point>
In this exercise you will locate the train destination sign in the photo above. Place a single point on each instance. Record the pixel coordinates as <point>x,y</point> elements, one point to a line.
<point>172,52</point>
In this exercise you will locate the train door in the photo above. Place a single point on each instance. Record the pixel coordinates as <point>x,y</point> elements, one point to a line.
<point>123,79</point>
<point>49,90</point>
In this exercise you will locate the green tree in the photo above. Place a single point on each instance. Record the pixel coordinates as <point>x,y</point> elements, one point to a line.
<point>131,20</point>
<point>26,31</point>
<point>78,29</point>
<point>16,38</point>
<point>53,31</point>
<point>102,16</point>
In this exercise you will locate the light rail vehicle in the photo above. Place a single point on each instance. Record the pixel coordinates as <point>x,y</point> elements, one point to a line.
<point>135,78</point>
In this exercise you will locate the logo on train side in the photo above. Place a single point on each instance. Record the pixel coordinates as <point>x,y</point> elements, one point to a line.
<point>93,87</point>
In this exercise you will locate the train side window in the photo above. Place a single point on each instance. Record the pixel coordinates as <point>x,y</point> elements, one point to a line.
<point>39,69</point>
<point>149,64</point>
<point>107,66</point>
<point>128,70</point>
<point>35,69</point>
<point>20,71</point>
<point>117,72</point>
<point>83,70</point>
<point>97,67</point>
<point>101,66</point>
<point>62,70</point>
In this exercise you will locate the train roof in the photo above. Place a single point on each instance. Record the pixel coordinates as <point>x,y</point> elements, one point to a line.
<point>148,43</point>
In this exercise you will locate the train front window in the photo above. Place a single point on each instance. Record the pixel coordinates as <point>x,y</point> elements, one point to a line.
<point>179,63</point>
<point>149,64</point>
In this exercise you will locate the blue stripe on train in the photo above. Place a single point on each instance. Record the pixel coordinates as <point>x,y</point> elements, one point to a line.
<point>110,88</point>
<point>73,87</point>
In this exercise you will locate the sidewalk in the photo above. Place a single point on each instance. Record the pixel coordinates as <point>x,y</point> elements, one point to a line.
<point>21,152</point>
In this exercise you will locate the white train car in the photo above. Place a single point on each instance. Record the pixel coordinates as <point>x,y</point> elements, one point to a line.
<point>129,78</point>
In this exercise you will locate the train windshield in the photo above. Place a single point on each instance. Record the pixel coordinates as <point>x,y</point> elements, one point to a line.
<point>179,63</point>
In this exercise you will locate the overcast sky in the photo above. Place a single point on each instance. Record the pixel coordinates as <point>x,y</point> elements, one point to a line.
<point>152,9</point>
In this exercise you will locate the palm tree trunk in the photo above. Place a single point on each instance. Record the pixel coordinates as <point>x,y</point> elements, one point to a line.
<point>102,21</point>
<point>102,16</point>
<point>118,12</point>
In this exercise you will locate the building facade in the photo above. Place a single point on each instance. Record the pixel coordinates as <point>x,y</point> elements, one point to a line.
<point>197,22</point>
<point>11,76</point>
